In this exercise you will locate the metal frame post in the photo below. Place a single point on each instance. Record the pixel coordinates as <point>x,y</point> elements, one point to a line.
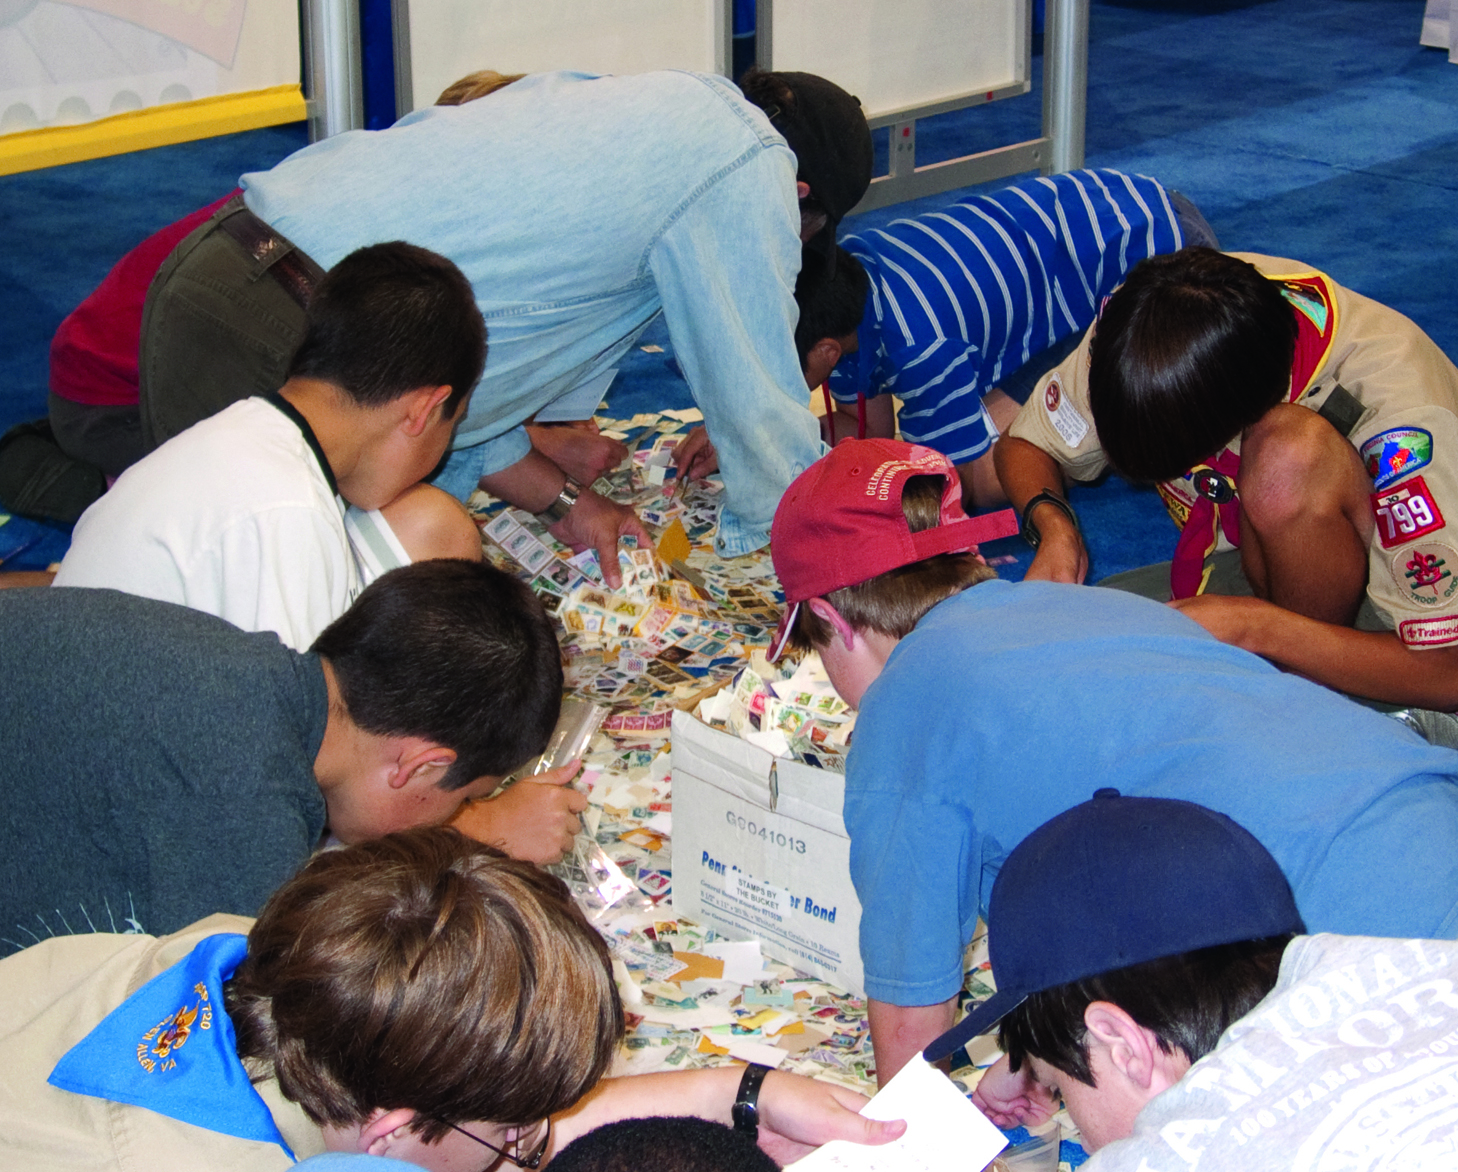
<point>332,67</point>
<point>1065,83</point>
<point>404,70</point>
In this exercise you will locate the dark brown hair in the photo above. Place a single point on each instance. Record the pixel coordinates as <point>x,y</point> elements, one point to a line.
<point>830,306</point>
<point>1192,349</point>
<point>389,319</point>
<point>1188,1000</point>
<point>894,602</point>
<point>425,971</point>
<point>453,651</point>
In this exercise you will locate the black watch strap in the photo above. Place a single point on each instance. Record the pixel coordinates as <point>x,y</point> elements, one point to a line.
<point>1031,533</point>
<point>746,1102</point>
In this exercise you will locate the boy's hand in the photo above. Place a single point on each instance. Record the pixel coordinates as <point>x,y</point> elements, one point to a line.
<point>1061,555</point>
<point>694,457</point>
<point>1010,1100</point>
<point>534,819</point>
<point>799,1114</point>
<point>577,449</point>
<point>598,522</point>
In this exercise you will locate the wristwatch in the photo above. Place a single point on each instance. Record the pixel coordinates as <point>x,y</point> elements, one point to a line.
<point>560,507</point>
<point>1031,534</point>
<point>746,1103</point>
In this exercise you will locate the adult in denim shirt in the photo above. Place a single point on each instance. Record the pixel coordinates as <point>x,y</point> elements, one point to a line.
<point>581,206</point>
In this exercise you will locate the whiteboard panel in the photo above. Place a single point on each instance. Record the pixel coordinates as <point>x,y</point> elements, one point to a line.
<point>895,54</point>
<point>65,63</point>
<point>451,38</point>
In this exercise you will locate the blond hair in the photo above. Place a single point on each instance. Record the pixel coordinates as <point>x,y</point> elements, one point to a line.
<point>475,85</point>
<point>894,602</point>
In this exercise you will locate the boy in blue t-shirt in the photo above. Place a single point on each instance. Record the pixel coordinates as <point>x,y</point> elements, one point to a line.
<point>948,304</point>
<point>987,708</point>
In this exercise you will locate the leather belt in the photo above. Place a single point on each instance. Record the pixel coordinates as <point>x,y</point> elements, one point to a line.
<point>292,269</point>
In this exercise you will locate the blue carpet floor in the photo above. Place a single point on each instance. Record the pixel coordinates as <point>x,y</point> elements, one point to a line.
<point>1315,129</point>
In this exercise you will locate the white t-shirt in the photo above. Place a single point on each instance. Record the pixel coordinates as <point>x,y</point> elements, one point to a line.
<point>235,517</point>
<point>1351,1062</point>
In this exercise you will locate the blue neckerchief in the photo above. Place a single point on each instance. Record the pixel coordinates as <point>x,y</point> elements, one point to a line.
<point>170,1048</point>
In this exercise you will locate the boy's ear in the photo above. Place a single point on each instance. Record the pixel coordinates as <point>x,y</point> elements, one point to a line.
<point>828,614</point>
<point>419,405</point>
<point>824,355</point>
<point>421,760</point>
<point>1131,1050</point>
<point>377,1134</point>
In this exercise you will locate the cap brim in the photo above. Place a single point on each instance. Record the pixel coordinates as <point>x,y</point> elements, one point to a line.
<point>975,1024</point>
<point>782,633</point>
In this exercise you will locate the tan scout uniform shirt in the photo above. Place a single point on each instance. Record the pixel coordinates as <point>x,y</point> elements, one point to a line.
<point>51,996</point>
<point>1406,433</point>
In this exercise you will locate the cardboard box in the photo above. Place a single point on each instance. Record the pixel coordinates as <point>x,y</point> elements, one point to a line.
<point>760,852</point>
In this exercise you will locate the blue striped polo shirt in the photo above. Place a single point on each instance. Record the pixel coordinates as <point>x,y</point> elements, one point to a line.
<point>963,296</point>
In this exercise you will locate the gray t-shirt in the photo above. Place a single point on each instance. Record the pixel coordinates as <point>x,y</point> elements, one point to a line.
<point>156,764</point>
<point>1350,1063</point>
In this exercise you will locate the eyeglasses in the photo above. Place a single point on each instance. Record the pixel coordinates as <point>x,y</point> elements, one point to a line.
<point>511,1154</point>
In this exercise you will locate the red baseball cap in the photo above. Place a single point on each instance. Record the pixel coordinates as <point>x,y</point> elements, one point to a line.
<point>840,522</point>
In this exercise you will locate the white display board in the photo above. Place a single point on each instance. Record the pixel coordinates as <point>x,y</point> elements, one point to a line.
<point>448,39</point>
<point>67,63</point>
<point>897,55</point>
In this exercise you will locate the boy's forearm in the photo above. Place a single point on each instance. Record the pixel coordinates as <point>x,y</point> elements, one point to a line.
<point>900,1032</point>
<point>1025,470</point>
<point>1374,664</point>
<point>708,1094</point>
<point>532,483</point>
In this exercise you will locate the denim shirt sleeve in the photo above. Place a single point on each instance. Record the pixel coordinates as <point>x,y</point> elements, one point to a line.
<point>465,466</point>
<point>725,270</point>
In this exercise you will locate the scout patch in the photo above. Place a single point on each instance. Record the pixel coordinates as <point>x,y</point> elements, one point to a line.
<point>1405,513</point>
<point>1391,455</point>
<point>1428,632</point>
<point>1425,572</point>
<point>1065,417</point>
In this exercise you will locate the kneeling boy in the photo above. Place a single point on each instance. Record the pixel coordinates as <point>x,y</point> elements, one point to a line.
<point>1148,976</point>
<point>275,512</point>
<point>987,707</point>
<point>159,764</point>
<point>944,306</point>
<point>1285,415</point>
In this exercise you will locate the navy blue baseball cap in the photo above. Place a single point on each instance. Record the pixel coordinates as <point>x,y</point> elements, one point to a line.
<point>1116,882</point>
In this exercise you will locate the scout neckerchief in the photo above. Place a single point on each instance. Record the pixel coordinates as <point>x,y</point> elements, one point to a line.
<point>170,1048</point>
<point>1217,507</point>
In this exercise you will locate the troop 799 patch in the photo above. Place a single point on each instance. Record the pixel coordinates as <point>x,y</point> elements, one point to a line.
<point>1405,513</point>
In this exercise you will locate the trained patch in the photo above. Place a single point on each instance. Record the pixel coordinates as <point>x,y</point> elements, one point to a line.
<point>1425,573</point>
<point>1391,455</point>
<point>1067,420</point>
<point>1428,632</point>
<point>1405,513</point>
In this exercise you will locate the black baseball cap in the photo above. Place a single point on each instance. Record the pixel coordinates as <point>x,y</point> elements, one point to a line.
<point>826,128</point>
<point>1116,882</point>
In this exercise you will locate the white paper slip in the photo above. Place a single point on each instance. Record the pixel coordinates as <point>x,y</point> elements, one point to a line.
<point>943,1130</point>
<point>743,961</point>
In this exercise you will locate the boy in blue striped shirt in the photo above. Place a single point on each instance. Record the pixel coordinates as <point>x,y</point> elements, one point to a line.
<point>956,300</point>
